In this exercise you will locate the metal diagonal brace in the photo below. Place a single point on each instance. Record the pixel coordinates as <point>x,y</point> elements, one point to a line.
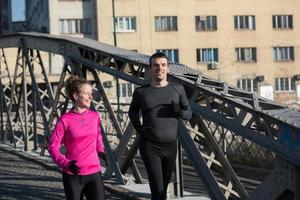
<point>111,157</point>
<point>199,163</point>
<point>252,135</point>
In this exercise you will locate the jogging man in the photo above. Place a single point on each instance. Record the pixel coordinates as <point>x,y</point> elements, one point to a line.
<point>161,104</point>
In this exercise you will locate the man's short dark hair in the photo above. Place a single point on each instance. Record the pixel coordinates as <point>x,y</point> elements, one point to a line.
<point>158,55</point>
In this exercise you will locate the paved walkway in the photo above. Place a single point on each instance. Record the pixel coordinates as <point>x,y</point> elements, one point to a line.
<point>26,175</point>
<point>22,179</point>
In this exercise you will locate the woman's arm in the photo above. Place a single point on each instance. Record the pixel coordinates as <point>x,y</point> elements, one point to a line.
<point>55,145</point>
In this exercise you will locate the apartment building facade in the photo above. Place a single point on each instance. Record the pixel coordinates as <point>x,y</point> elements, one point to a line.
<point>250,44</point>
<point>253,45</point>
<point>61,17</point>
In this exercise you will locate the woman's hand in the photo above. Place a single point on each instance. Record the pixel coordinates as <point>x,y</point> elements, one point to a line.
<point>103,156</point>
<point>73,167</point>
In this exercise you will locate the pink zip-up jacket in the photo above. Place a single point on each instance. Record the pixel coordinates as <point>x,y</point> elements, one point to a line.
<point>81,135</point>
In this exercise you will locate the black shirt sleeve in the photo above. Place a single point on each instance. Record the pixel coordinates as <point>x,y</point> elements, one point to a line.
<point>184,105</point>
<point>134,110</point>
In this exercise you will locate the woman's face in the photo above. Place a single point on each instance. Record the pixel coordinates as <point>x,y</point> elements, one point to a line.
<point>84,97</point>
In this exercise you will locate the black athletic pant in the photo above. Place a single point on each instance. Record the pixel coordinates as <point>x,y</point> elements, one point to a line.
<point>159,159</point>
<point>77,186</point>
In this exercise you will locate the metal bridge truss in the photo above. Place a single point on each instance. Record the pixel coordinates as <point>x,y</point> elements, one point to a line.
<point>226,121</point>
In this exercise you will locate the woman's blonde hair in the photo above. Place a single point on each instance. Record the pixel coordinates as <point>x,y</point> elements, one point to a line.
<point>73,85</point>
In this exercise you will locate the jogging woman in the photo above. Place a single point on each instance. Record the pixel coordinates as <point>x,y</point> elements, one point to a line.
<point>79,131</point>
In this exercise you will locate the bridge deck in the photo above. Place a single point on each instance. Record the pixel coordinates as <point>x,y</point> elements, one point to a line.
<point>25,175</point>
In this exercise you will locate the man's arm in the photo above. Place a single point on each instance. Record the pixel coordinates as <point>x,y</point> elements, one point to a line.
<point>186,112</point>
<point>134,111</point>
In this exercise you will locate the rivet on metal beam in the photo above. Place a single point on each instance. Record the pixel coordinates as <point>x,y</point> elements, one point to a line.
<point>267,112</point>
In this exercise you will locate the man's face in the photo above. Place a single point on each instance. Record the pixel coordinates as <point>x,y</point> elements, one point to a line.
<point>159,69</point>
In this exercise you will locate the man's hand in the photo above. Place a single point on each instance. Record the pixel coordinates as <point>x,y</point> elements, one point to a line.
<point>139,130</point>
<point>103,156</point>
<point>73,167</point>
<point>176,108</point>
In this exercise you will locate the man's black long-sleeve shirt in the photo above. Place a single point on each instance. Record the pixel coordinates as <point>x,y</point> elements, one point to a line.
<point>159,120</point>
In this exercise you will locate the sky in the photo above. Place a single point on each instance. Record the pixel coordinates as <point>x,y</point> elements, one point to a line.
<point>18,10</point>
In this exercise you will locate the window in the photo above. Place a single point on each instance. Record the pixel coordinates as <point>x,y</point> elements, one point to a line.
<point>125,24</point>
<point>126,89</point>
<point>283,53</point>
<point>282,21</point>
<point>71,26</point>
<point>244,22</point>
<point>171,53</point>
<point>245,54</point>
<point>207,55</point>
<point>284,84</point>
<point>206,23</point>
<point>249,85</point>
<point>166,23</point>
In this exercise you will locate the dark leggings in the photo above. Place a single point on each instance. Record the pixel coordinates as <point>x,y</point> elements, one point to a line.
<point>159,159</point>
<point>77,186</point>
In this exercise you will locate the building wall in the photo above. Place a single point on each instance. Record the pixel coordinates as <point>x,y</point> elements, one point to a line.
<point>45,15</point>
<point>37,15</point>
<point>5,16</point>
<point>226,38</point>
<point>71,10</point>
<point>59,17</point>
<point>145,39</point>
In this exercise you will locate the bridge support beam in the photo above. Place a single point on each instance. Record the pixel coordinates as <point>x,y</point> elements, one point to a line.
<point>282,183</point>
